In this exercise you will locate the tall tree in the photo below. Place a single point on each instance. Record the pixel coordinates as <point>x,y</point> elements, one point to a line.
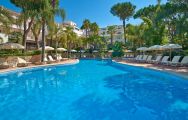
<point>36,30</point>
<point>48,10</point>
<point>86,26</point>
<point>124,11</point>
<point>111,30</point>
<point>6,20</point>
<point>94,28</point>
<point>29,8</point>
<point>71,37</point>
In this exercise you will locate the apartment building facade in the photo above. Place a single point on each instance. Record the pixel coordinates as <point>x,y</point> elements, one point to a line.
<point>76,29</point>
<point>118,35</point>
<point>30,42</point>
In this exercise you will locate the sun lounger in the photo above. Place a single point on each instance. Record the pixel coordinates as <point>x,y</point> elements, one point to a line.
<point>51,60</point>
<point>4,65</point>
<point>174,61</point>
<point>144,58</point>
<point>126,58</point>
<point>22,63</point>
<point>157,60</point>
<point>45,59</point>
<point>184,62</point>
<point>59,58</point>
<point>165,60</point>
<point>139,58</point>
<point>149,59</point>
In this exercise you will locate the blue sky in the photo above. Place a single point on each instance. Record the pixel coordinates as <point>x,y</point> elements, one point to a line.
<point>94,10</point>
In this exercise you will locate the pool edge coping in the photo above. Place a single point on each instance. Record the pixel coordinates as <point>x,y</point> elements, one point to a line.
<point>71,62</point>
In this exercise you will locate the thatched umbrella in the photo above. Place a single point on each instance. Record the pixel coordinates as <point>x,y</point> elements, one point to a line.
<point>171,47</point>
<point>47,48</point>
<point>143,49</point>
<point>74,51</point>
<point>61,49</point>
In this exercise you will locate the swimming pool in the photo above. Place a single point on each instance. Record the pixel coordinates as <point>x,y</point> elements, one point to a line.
<point>92,90</point>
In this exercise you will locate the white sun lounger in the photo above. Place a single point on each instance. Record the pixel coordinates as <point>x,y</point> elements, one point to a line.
<point>139,58</point>
<point>157,60</point>
<point>136,58</point>
<point>131,59</point>
<point>149,59</point>
<point>165,60</point>
<point>50,58</point>
<point>175,60</point>
<point>183,62</point>
<point>45,59</point>
<point>22,63</point>
<point>144,58</point>
<point>59,57</point>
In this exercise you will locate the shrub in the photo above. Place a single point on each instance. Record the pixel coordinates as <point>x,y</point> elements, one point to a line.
<point>6,53</point>
<point>118,49</point>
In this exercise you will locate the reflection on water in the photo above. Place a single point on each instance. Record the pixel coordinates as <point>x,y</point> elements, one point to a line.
<point>93,90</point>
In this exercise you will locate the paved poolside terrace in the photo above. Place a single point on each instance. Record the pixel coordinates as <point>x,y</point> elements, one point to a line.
<point>181,71</point>
<point>69,61</point>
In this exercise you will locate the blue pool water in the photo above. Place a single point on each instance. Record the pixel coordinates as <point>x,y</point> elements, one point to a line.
<point>92,90</point>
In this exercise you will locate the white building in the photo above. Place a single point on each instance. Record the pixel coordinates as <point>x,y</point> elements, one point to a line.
<point>4,37</point>
<point>77,30</point>
<point>118,35</point>
<point>30,42</point>
<point>15,28</point>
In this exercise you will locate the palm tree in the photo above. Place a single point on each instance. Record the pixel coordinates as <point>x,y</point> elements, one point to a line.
<point>6,20</point>
<point>36,30</point>
<point>56,30</point>
<point>111,31</point>
<point>71,37</point>
<point>29,10</point>
<point>86,26</point>
<point>48,10</point>
<point>123,11</point>
<point>94,28</point>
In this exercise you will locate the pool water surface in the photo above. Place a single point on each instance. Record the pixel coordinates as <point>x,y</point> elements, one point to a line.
<point>92,90</point>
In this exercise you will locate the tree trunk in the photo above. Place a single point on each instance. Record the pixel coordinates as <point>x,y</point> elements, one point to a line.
<point>24,36</point>
<point>37,42</point>
<point>51,41</point>
<point>26,31</point>
<point>87,46</point>
<point>112,37</point>
<point>124,31</point>
<point>56,44</point>
<point>67,49</point>
<point>43,40</point>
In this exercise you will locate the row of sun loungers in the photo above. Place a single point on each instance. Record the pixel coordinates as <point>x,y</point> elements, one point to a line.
<point>19,62</point>
<point>161,60</point>
<point>16,62</point>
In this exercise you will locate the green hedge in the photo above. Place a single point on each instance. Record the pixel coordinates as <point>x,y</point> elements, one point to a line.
<point>6,53</point>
